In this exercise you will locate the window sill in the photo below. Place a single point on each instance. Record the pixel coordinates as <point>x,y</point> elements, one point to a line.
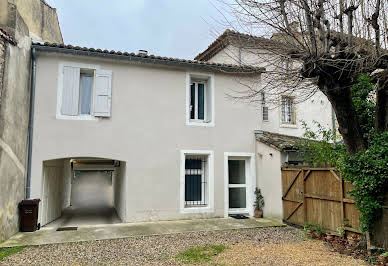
<point>200,123</point>
<point>289,125</point>
<point>77,117</point>
<point>206,209</point>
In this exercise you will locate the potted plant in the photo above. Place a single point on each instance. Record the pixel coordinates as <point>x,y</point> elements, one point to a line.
<point>259,203</point>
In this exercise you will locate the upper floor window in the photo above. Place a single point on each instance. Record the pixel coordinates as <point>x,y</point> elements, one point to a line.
<point>199,100</point>
<point>264,107</point>
<point>84,93</point>
<point>288,110</point>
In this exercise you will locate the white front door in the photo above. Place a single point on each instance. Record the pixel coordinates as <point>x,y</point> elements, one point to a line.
<point>237,185</point>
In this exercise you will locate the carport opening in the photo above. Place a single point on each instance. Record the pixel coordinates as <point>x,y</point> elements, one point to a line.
<point>82,191</point>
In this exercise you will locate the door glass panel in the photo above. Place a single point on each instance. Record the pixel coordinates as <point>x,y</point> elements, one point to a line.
<point>237,197</point>
<point>236,171</point>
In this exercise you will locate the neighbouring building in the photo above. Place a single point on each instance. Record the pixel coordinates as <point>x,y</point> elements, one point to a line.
<point>20,20</point>
<point>282,111</point>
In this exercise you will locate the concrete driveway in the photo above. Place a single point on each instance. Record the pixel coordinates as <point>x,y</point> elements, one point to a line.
<point>125,230</point>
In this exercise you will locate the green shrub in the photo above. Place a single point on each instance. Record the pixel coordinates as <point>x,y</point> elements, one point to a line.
<point>368,172</point>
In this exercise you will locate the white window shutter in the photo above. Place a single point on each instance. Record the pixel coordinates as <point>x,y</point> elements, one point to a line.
<point>103,93</point>
<point>70,90</point>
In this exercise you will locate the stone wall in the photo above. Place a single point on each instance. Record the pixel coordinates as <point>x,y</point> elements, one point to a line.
<point>41,19</point>
<point>15,47</point>
<point>14,113</point>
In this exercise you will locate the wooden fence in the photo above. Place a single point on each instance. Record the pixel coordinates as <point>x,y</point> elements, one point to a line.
<point>319,196</point>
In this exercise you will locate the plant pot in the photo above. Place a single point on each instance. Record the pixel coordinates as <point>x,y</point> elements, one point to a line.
<point>258,214</point>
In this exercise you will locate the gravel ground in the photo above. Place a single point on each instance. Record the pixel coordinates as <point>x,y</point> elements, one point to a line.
<point>308,252</point>
<point>276,246</point>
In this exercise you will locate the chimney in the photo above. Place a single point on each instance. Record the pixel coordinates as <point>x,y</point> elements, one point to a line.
<point>143,52</point>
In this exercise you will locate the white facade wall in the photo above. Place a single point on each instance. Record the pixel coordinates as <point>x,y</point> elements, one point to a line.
<point>119,190</point>
<point>147,130</point>
<point>269,179</point>
<point>67,175</point>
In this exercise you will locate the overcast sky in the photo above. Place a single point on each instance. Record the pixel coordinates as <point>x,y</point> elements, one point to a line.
<point>175,28</point>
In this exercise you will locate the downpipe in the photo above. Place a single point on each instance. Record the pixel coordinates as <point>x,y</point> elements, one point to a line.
<point>30,124</point>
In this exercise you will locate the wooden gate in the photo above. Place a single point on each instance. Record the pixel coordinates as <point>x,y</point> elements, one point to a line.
<point>319,196</point>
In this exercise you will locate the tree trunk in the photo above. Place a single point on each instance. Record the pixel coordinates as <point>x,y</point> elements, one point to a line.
<point>349,126</point>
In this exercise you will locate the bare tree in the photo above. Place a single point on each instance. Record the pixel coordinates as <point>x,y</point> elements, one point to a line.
<point>330,42</point>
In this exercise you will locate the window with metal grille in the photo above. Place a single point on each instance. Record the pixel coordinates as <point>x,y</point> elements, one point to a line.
<point>288,110</point>
<point>265,113</point>
<point>196,181</point>
<point>264,107</point>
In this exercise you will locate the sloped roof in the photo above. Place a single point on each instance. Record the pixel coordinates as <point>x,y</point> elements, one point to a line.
<point>153,59</point>
<point>230,36</point>
<point>278,141</point>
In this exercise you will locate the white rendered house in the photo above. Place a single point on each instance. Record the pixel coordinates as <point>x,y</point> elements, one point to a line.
<point>173,145</point>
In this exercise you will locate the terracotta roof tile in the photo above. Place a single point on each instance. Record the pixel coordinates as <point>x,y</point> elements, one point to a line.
<point>146,58</point>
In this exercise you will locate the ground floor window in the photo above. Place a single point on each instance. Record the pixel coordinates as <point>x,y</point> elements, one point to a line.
<point>196,180</point>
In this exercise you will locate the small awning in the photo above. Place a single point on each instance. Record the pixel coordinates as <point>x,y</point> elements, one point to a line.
<point>277,141</point>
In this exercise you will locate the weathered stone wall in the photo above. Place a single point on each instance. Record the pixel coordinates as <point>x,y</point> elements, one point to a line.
<point>40,18</point>
<point>14,111</point>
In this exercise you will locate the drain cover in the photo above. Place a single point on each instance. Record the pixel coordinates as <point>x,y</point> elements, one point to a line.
<point>74,228</point>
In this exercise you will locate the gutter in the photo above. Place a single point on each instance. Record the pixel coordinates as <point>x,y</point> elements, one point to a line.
<point>31,123</point>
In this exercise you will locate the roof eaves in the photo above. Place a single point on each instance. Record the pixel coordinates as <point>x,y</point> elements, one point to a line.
<point>278,141</point>
<point>69,49</point>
